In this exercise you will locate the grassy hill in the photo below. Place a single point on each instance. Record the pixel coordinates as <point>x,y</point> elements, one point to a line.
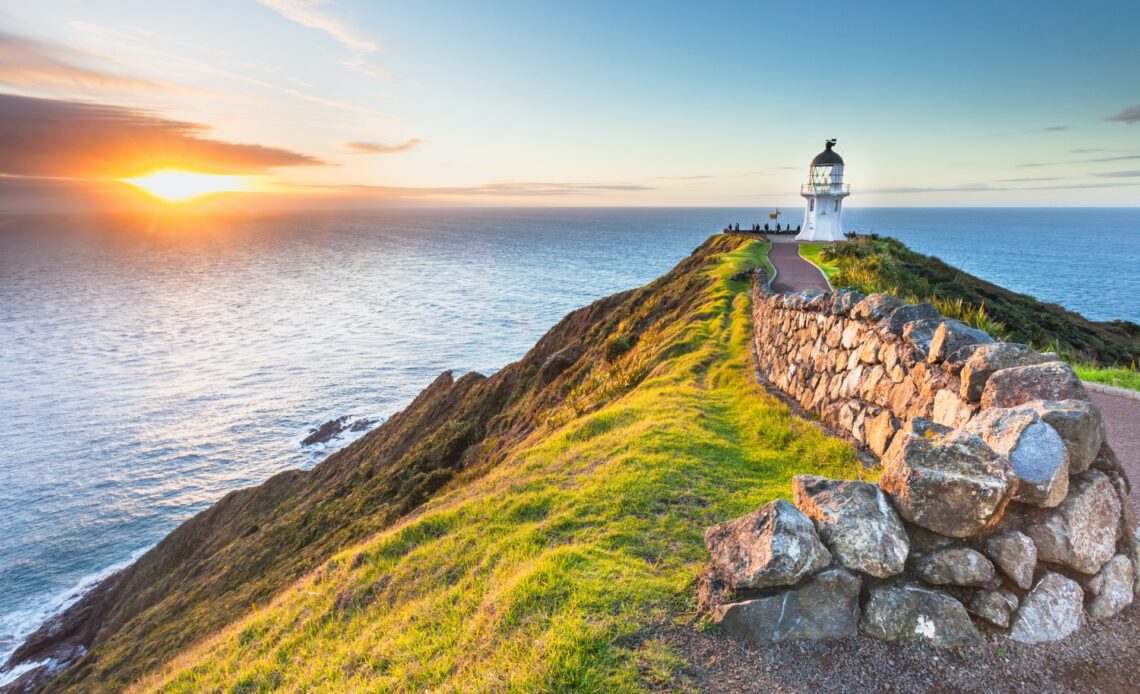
<point>886,265</point>
<point>517,532</point>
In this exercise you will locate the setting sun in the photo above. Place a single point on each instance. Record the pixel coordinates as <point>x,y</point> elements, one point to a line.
<point>176,186</point>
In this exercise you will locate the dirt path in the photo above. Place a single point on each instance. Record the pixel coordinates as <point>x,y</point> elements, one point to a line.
<point>1122,419</point>
<point>793,273</point>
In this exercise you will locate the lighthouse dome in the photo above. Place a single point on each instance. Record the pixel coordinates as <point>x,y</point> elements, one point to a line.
<point>828,157</point>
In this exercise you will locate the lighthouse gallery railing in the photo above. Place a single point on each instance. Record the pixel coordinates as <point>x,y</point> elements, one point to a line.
<point>825,189</point>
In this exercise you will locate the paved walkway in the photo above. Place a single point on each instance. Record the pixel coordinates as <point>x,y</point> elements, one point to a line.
<point>793,273</point>
<point>1121,415</point>
<point>1122,420</point>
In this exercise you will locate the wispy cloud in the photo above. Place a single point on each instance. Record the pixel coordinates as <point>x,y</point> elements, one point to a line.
<point>28,63</point>
<point>1029,180</point>
<point>1129,115</point>
<point>516,189</point>
<point>985,187</point>
<point>1120,174</point>
<point>380,148</point>
<point>1057,128</point>
<point>47,137</point>
<point>319,15</point>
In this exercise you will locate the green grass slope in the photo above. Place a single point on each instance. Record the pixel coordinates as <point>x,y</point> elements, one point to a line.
<point>546,570</point>
<point>886,265</point>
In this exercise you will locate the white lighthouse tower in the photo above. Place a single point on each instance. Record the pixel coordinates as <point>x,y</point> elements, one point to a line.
<point>824,192</point>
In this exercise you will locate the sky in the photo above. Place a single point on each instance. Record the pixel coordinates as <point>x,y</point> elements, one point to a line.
<point>361,103</point>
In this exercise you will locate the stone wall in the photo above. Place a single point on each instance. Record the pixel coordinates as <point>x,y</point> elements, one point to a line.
<point>1000,506</point>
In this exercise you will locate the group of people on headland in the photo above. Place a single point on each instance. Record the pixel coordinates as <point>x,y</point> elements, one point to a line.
<point>767,229</point>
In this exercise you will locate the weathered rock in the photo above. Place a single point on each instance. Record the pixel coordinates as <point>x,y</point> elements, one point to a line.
<point>826,606</point>
<point>880,430</point>
<point>844,301</point>
<point>875,307</point>
<point>1111,589</point>
<point>1107,463</point>
<point>558,362</point>
<point>1080,425</point>
<point>952,335</point>
<point>902,315</point>
<point>994,606</point>
<point>1135,547</point>
<point>775,546</point>
<point>953,364</point>
<point>1035,450</point>
<point>855,521</point>
<point>1015,554</point>
<point>1081,533</point>
<point>955,566</point>
<point>801,299</point>
<point>908,612</point>
<point>951,410</point>
<point>920,333</point>
<point>989,358</point>
<point>946,480</point>
<point>1021,384</point>
<point>1050,612</point>
<point>923,540</point>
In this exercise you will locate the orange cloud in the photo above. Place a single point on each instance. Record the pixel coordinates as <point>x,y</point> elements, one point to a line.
<point>50,138</point>
<point>380,148</point>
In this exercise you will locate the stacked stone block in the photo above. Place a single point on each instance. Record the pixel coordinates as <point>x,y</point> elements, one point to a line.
<point>1000,505</point>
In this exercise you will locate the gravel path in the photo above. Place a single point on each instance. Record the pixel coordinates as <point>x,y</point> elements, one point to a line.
<point>793,273</point>
<point>1103,657</point>
<point>1122,418</point>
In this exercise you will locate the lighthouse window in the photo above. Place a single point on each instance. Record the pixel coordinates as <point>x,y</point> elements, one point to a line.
<point>836,205</point>
<point>811,206</point>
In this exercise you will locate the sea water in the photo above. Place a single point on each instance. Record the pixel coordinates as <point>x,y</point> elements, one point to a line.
<point>150,366</point>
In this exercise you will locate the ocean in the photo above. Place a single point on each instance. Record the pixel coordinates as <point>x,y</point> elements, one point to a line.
<point>149,367</point>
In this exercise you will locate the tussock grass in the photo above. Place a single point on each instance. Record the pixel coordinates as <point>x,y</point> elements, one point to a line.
<point>1120,377</point>
<point>546,572</point>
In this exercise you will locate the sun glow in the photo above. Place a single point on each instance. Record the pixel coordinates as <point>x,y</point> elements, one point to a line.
<point>174,185</point>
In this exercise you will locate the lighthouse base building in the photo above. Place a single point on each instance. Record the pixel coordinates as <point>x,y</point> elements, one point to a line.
<point>824,193</point>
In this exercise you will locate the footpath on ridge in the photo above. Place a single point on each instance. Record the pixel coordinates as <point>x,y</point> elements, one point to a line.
<point>1121,414</point>
<point>793,273</point>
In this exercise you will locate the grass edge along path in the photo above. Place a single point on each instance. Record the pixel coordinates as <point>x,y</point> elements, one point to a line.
<point>545,574</point>
<point>811,252</point>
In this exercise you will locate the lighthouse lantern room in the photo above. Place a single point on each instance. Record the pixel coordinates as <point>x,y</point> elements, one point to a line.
<point>824,193</point>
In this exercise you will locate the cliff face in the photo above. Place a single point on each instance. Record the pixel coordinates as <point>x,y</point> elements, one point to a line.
<point>244,549</point>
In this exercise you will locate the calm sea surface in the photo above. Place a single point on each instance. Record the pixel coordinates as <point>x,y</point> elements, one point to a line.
<point>148,368</point>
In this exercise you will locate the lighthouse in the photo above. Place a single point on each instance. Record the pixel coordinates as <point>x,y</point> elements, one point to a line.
<point>824,193</point>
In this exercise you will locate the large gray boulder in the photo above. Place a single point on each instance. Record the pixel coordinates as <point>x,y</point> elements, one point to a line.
<point>955,566</point>
<point>1050,612</point>
<point>844,301</point>
<point>989,358</point>
<point>1081,533</point>
<point>874,307</point>
<point>775,546</point>
<point>909,612</point>
<point>1110,591</point>
<point>902,315</point>
<point>1035,450</point>
<point>1080,425</point>
<point>951,336</point>
<point>946,480</point>
<point>1022,384</point>
<point>994,606</point>
<point>856,522</point>
<point>826,606</point>
<point>920,333</point>
<point>1015,554</point>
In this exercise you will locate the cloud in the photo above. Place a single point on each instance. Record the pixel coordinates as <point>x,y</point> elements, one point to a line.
<point>1121,158</point>
<point>1029,180</point>
<point>1057,128</point>
<point>984,187</point>
<point>25,62</point>
<point>47,137</point>
<point>1087,151</point>
<point>500,189</point>
<point>315,14</point>
<point>1129,115</point>
<point>380,148</point>
<point>1120,174</point>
